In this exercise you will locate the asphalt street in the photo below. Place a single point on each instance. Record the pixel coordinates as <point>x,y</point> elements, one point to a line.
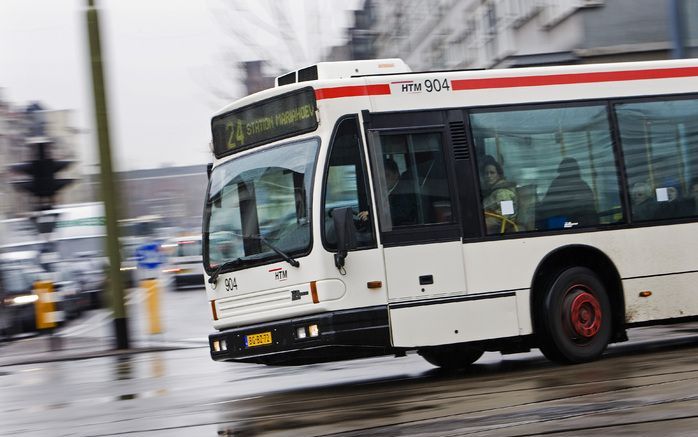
<point>168,385</point>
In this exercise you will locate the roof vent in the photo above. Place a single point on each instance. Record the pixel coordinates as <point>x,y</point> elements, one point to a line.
<point>343,70</point>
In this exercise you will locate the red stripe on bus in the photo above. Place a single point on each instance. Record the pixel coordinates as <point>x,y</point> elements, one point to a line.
<point>352,91</point>
<point>275,270</point>
<point>566,79</point>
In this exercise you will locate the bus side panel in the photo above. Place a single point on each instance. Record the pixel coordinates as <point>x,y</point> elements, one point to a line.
<point>672,296</point>
<point>423,271</point>
<point>455,322</point>
<point>659,259</point>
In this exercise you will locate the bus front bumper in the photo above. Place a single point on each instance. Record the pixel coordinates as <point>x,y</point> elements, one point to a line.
<point>331,336</point>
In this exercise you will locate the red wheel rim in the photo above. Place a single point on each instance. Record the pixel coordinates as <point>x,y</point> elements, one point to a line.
<point>583,311</point>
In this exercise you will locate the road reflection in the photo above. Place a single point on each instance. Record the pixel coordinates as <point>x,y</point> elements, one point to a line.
<point>525,381</point>
<point>128,368</point>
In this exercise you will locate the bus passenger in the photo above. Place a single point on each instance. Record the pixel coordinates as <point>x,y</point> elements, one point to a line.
<point>499,196</point>
<point>674,205</point>
<point>693,192</point>
<point>643,205</point>
<point>403,205</point>
<point>569,201</point>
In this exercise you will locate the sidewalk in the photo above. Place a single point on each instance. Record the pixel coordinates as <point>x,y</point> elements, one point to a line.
<point>184,320</point>
<point>184,324</point>
<point>43,348</point>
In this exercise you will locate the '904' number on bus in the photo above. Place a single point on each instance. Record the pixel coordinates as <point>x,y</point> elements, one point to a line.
<point>436,85</point>
<point>231,284</point>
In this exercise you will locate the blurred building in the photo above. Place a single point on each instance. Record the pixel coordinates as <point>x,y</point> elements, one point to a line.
<point>17,125</point>
<point>360,37</point>
<point>255,79</point>
<point>5,139</point>
<point>174,193</point>
<point>453,34</point>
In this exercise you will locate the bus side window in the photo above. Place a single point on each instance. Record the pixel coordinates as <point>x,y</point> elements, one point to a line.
<point>346,186</point>
<point>659,141</point>
<point>546,168</point>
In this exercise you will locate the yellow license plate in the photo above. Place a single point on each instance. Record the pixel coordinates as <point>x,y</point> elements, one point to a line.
<point>260,339</point>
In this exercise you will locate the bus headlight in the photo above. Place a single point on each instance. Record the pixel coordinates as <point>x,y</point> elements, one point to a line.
<point>313,330</point>
<point>307,331</point>
<point>220,345</point>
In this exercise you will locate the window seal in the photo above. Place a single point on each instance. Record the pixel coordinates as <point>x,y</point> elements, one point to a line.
<point>326,170</point>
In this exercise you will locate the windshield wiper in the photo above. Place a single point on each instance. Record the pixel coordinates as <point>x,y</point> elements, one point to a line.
<point>279,252</point>
<point>228,264</point>
<point>237,261</point>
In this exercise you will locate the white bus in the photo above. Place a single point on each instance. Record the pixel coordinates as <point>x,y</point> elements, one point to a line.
<point>359,209</point>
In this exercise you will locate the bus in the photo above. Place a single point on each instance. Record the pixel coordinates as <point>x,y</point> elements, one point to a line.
<point>360,209</point>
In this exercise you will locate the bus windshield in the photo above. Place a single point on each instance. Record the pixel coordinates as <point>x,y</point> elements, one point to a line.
<point>258,198</point>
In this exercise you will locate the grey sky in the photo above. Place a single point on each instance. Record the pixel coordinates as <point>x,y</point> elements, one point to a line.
<point>169,62</point>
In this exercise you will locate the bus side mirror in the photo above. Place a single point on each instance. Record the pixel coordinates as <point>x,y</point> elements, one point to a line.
<point>346,234</point>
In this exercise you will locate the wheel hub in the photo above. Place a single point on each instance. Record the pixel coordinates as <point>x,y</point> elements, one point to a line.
<point>585,315</point>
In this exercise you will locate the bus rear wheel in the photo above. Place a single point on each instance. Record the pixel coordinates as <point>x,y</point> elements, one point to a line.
<point>574,317</point>
<point>454,357</point>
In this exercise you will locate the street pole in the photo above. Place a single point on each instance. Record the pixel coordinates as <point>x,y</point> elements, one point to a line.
<point>676,24</point>
<point>109,190</point>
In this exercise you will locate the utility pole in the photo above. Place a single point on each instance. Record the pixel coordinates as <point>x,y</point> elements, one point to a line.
<point>109,190</point>
<point>677,28</point>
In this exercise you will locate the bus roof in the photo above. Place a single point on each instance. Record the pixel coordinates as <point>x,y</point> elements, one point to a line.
<point>397,84</point>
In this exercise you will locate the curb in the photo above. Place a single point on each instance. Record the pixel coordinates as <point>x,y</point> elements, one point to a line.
<point>57,356</point>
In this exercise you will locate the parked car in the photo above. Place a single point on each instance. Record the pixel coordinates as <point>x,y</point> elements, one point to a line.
<point>4,318</point>
<point>70,299</point>
<point>129,261</point>
<point>18,298</point>
<point>5,321</point>
<point>88,270</point>
<point>20,272</point>
<point>184,261</point>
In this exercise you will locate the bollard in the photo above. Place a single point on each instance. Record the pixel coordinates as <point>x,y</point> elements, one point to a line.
<point>45,312</point>
<point>153,298</point>
<point>44,306</point>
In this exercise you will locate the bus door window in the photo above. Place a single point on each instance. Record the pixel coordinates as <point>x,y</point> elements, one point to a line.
<point>546,168</point>
<point>660,149</point>
<point>346,186</point>
<point>413,183</point>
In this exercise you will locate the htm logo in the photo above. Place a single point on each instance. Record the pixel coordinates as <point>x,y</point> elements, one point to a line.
<point>406,86</point>
<point>411,87</point>
<point>280,274</point>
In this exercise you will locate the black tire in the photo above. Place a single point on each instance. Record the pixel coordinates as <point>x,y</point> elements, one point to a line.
<point>451,357</point>
<point>573,322</point>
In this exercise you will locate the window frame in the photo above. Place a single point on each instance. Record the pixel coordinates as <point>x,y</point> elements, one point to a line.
<point>406,123</point>
<point>615,145</point>
<point>205,243</point>
<point>467,171</point>
<point>621,152</point>
<point>367,186</point>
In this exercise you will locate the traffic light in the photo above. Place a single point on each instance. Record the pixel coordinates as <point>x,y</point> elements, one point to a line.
<point>43,182</point>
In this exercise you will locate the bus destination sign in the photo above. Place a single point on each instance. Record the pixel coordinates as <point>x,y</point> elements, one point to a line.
<point>279,117</point>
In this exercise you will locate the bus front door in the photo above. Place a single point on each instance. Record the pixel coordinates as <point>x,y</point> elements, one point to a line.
<point>419,228</point>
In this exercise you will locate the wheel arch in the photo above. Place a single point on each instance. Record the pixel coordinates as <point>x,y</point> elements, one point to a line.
<point>580,255</point>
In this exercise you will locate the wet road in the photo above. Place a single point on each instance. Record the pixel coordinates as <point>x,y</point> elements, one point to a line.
<point>648,386</point>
